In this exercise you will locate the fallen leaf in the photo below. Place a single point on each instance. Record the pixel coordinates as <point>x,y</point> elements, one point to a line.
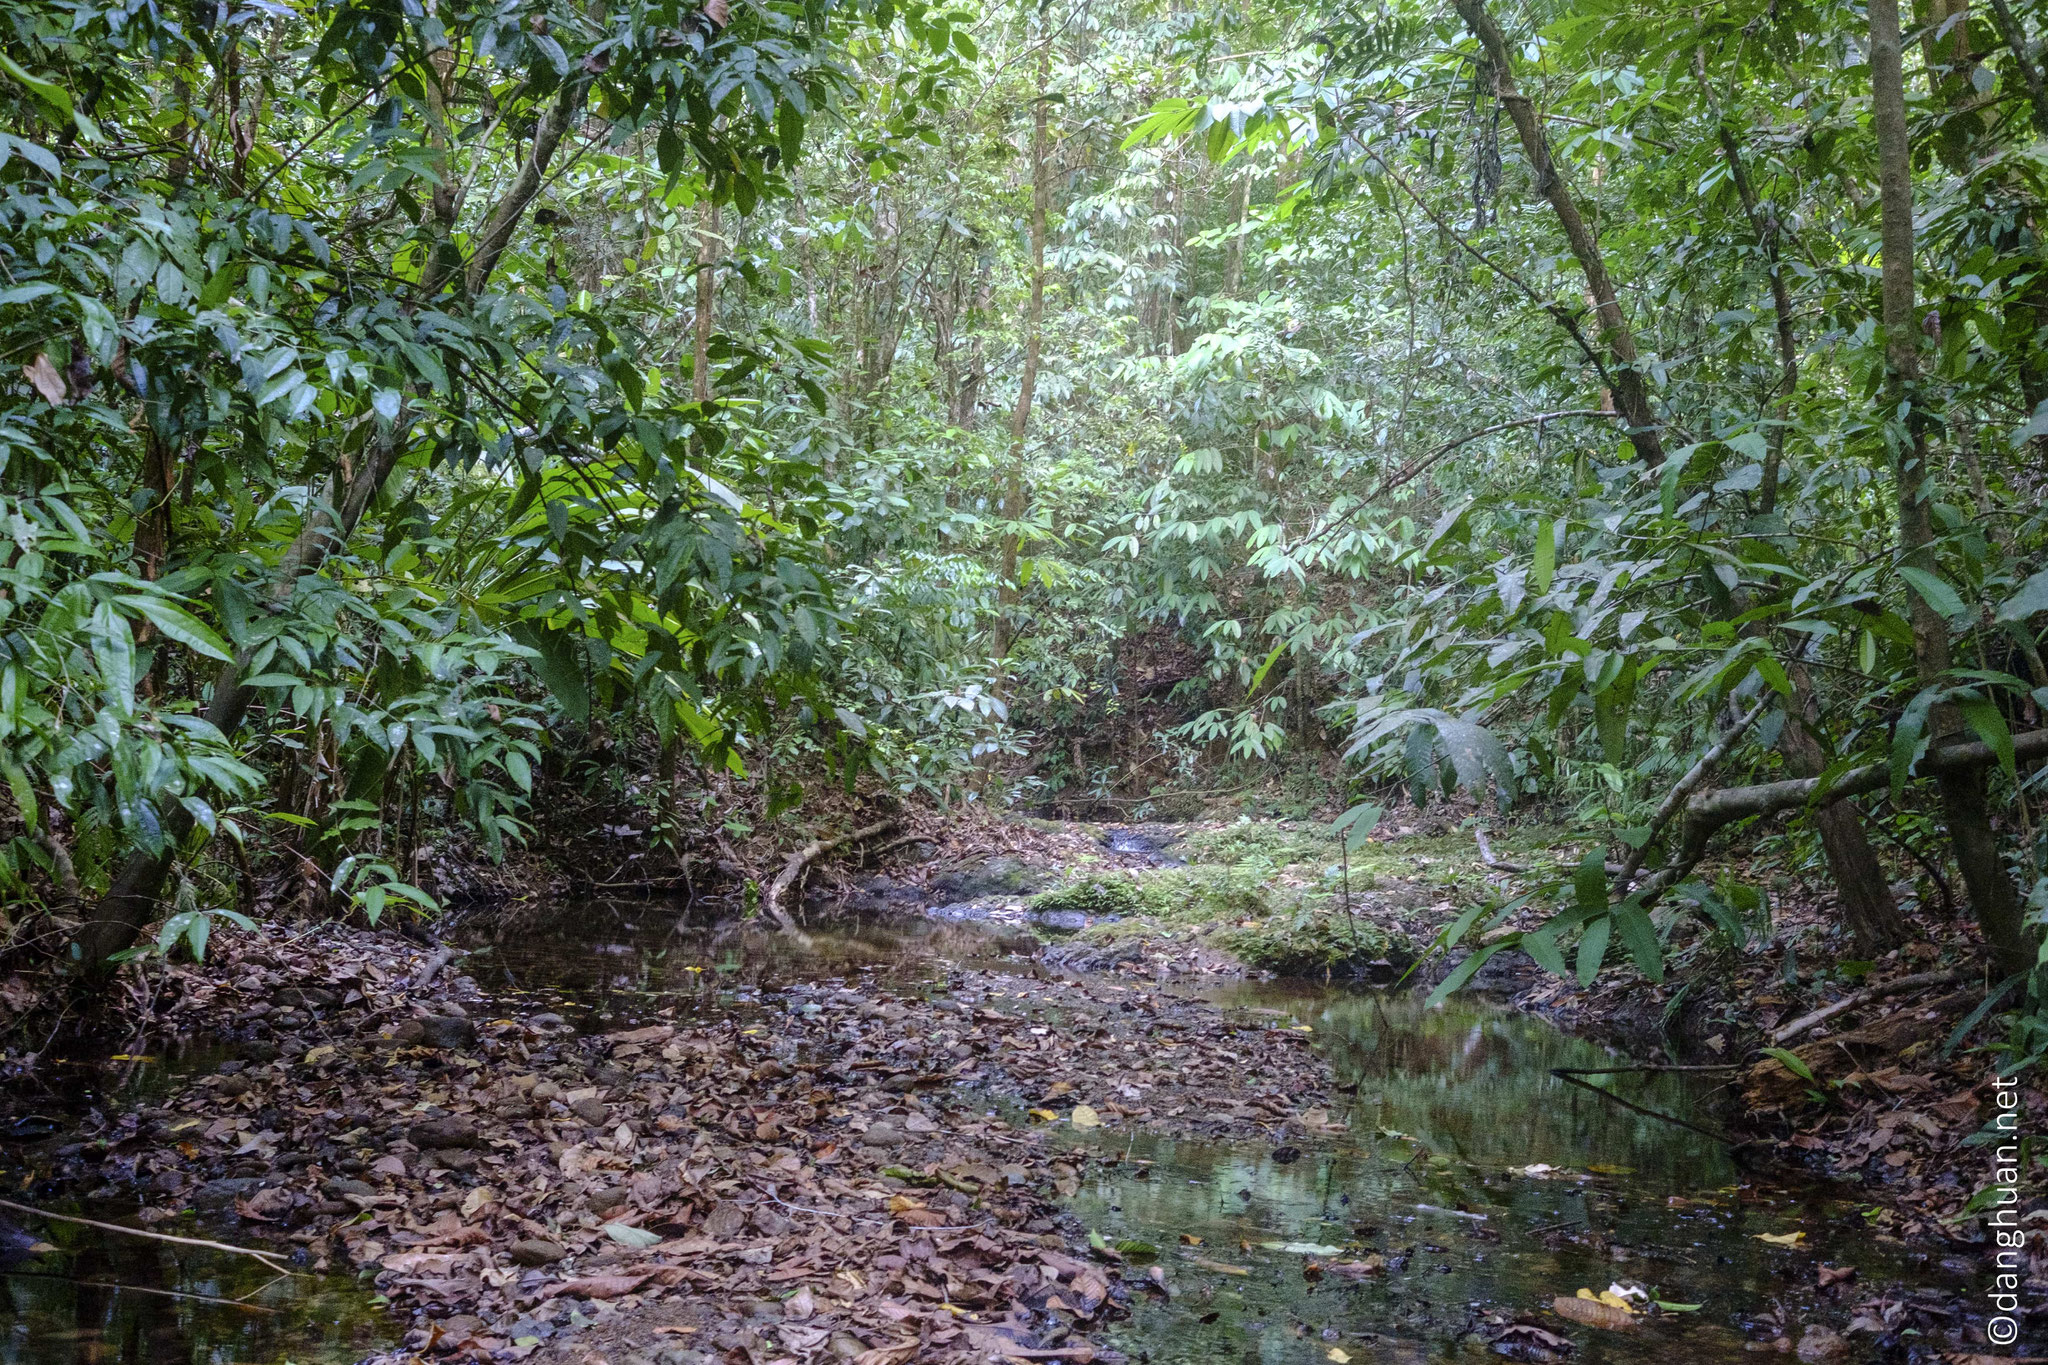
<point>1085,1117</point>
<point>1835,1274</point>
<point>1782,1239</point>
<point>1219,1267</point>
<point>1590,1312</point>
<point>1338,1354</point>
<point>625,1235</point>
<point>598,1286</point>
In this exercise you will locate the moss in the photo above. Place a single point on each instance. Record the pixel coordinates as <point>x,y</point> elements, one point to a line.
<point>1175,895</point>
<point>1307,944</point>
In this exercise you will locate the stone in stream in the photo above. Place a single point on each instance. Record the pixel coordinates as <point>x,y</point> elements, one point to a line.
<point>1820,1343</point>
<point>1001,875</point>
<point>222,1193</point>
<point>442,1132</point>
<point>447,1031</point>
<point>536,1251</point>
<point>882,1133</point>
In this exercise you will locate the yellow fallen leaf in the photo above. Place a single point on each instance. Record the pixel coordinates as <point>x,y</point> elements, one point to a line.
<point>1085,1117</point>
<point>1338,1354</point>
<point>903,1203</point>
<point>1189,1239</point>
<point>1220,1267</point>
<point>1782,1239</point>
<point>476,1199</point>
<point>319,1055</point>
<point>1608,1297</point>
<point>1045,1114</point>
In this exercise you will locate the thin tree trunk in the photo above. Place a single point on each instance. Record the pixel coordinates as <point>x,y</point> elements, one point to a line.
<point>1014,504</point>
<point>1233,274</point>
<point>707,299</point>
<point>1963,791</point>
<point>1630,394</point>
<point>1868,910</point>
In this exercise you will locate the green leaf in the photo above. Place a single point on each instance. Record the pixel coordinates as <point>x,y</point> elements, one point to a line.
<point>1589,883</point>
<point>1934,592</point>
<point>2031,600</point>
<point>1792,1062</point>
<point>177,624</point>
<point>1639,936</point>
<point>1593,948</point>
<point>1990,726</point>
<point>1462,973</point>
<point>1545,567</point>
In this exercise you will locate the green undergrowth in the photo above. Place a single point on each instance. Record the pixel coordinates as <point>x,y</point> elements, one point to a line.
<point>1270,894</point>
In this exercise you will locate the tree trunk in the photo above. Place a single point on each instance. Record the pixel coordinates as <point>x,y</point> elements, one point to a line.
<point>1630,394</point>
<point>1962,790</point>
<point>1872,916</point>
<point>1014,504</point>
<point>707,299</point>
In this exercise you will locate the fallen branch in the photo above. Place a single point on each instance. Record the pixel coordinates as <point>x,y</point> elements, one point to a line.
<point>1705,814</point>
<point>431,968</point>
<point>1863,997</point>
<point>1486,854</point>
<point>1686,786</point>
<point>268,1258</point>
<point>793,867</point>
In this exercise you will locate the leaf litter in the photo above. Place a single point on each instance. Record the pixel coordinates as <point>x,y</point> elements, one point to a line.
<point>844,1171</point>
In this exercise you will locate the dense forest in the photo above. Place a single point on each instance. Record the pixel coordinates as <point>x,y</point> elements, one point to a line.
<point>449,446</point>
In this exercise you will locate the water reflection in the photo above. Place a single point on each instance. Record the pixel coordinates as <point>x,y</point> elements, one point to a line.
<point>1433,1173</point>
<point>96,1298</point>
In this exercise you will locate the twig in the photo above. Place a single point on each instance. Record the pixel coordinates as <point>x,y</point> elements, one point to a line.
<point>142,1289</point>
<point>268,1258</point>
<point>1687,785</point>
<point>1864,997</point>
<point>1570,1075</point>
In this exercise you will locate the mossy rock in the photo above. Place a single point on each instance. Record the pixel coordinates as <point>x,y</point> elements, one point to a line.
<point>1181,895</point>
<point>1309,945</point>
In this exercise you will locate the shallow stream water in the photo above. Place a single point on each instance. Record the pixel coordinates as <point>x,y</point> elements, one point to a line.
<point>1486,1183</point>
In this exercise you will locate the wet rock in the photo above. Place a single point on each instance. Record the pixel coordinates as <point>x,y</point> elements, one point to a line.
<point>339,1186</point>
<point>447,1031</point>
<point>1001,875</point>
<point>883,1133</point>
<point>725,1220</point>
<point>443,1132</point>
<point>1820,1343</point>
<point>305,997</point>
<point>547,1021</point>
<point>611,1076</point>
<point>536,1251</point>
<point>515,1110</point>
<point>222,1193</point>
<point>604,1201</point>
<point>590,1109</point>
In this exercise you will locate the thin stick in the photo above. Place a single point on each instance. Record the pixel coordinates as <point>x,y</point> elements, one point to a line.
<point>268,1258</point>
<point>1565,1074</point>
<point>1864,997</point>
<point>143,1289</point>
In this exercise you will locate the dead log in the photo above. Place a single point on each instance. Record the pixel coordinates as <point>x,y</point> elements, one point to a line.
<point>1708,812</point>
<point>794,865</point>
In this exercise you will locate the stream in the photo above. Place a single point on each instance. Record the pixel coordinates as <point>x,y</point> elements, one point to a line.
<point>1481,1183</point>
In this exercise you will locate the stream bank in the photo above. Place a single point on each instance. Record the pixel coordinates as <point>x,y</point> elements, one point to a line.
<point>891,1139</point>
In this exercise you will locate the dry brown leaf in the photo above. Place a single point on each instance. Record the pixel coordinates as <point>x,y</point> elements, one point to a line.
<point>1593,1313</point>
